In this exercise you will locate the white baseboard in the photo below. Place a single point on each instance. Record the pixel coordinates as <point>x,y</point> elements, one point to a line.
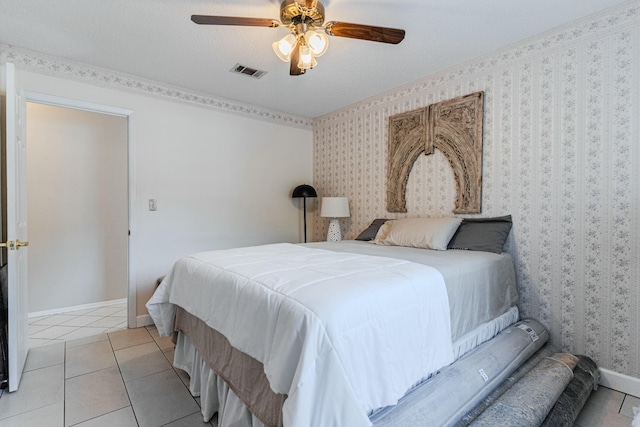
<point>620,382</point>
<point>77,307</point>
<point>144,320</point>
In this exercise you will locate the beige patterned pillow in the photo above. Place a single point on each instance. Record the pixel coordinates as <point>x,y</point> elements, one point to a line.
<point>427,233</point>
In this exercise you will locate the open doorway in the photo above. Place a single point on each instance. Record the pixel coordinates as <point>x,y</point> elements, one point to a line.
<point>78,213</point>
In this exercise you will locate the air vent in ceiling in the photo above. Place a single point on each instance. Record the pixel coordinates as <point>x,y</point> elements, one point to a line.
<point>248,71</point>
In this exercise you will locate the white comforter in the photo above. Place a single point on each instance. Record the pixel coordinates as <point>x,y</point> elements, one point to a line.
<point>341,334</point>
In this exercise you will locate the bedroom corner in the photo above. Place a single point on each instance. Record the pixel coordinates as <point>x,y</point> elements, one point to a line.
<point>555,157</point>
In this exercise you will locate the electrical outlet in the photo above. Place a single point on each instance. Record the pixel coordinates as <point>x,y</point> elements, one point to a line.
<point>153,205</point>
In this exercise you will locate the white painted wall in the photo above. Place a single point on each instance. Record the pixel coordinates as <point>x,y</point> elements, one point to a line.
<point>221,180</point>
<point>77,207</point>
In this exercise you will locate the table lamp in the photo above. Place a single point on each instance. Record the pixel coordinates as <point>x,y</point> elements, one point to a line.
<point>334,208</point>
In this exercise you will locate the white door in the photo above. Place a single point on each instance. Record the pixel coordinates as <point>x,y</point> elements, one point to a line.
<point>16,214</point>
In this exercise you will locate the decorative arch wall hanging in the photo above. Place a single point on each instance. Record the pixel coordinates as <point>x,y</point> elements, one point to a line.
<point>453,127</point>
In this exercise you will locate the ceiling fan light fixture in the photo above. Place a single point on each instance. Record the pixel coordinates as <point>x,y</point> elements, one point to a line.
<point>285,46</point>
<point>318,42</point>
<point>306,60</point>
<point>308,38</point>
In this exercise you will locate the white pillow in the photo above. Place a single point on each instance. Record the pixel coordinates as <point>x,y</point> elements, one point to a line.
<point>427,233</point>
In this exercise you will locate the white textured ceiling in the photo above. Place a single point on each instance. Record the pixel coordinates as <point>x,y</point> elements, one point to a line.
<point>155,39</point>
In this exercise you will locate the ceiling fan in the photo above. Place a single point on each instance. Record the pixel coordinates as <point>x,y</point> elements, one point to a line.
<point>308,38</point>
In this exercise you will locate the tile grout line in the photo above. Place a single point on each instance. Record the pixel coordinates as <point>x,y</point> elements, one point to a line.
<point>64,386</point>
<point>124,384</point>
<point>176,372</point>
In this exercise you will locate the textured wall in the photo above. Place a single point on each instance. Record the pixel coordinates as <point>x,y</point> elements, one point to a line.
<point>561,154</point>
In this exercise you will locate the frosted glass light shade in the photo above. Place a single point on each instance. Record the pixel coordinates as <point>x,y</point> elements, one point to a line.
<point>285,46</point>
<point>318,42</point>
<point>335,207</point>
<point>306,58</point>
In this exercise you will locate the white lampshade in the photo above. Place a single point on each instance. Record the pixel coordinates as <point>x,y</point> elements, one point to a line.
<point>335,207</point>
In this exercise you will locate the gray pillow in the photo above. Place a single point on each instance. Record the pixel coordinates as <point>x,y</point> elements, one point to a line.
<point>370,232</point>
<point>482,234</point>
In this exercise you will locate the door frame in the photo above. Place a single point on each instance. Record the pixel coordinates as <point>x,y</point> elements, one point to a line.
<point>58,101</point>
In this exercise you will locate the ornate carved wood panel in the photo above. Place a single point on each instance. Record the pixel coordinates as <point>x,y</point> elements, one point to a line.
<point>453,127</point>
<point>407,139</point>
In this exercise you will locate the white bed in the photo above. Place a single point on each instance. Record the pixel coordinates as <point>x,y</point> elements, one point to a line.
<point>478,279</point>
<point>342,329</point>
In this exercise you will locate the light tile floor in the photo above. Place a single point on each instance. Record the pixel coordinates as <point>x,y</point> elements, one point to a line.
<point>109,376</point>
<point>58,328</point>
<point>122,378</point>
<point>607,408</point>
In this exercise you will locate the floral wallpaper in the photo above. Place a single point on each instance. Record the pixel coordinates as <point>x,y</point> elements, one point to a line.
<point>561,155</point>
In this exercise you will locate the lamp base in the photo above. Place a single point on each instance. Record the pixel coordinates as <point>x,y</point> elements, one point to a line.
<point>334,234</point>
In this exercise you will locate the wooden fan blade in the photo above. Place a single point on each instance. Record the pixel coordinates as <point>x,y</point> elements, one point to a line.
<point>293,63</point>
<point>365,32</point>
<point>234,20</point>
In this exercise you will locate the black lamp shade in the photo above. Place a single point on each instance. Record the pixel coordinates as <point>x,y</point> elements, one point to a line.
<point>305,191</point>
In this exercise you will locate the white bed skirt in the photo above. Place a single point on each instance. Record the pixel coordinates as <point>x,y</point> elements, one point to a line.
<point>215,394</point>
<point>217,397</point>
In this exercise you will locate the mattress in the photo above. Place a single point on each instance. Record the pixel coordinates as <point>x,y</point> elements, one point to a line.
<point>471,279</point>
<point>483,280</point>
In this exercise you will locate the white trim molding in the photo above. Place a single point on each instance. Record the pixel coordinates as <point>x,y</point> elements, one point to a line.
<point>63,68</point>
<point>144,320</point>
<point>131,167</point>
<point>620,382</point>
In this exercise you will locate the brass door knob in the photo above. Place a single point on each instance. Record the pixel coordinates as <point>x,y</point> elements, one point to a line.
<point>12,246</point>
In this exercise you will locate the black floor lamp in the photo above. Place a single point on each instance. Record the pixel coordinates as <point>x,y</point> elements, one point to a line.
<point>304,191</point>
